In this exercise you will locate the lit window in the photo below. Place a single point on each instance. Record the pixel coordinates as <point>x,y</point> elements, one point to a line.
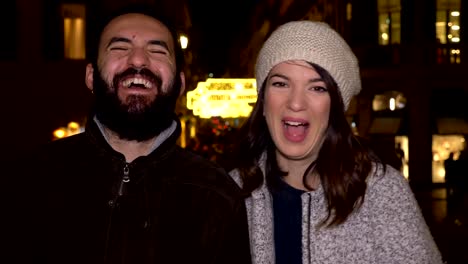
<point>448,21</point>
<point>442,146</point>
<point>389,21</point>
<point>73,16</point>
<point>448,31</point>
<point>349,11</point>
<point>391,100</point>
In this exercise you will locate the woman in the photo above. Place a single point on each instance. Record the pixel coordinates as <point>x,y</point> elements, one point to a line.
<point>317,194</point>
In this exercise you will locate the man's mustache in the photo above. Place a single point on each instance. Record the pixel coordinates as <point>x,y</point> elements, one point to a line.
<point>142,71</point>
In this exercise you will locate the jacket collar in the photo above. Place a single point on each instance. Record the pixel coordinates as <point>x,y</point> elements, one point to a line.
<point>157,142</point>
<point>165,140</point>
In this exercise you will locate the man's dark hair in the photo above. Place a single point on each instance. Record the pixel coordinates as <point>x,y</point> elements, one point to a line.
<point>100,17</point>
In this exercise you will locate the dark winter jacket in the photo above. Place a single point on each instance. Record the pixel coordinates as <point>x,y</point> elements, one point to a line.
<point>78,201</point>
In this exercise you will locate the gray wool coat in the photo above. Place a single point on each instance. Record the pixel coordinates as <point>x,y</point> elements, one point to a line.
<point>388,228</point>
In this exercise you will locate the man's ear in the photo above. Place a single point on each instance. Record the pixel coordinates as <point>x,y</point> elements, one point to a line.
<point>182,83</point>
<point>89,78</point>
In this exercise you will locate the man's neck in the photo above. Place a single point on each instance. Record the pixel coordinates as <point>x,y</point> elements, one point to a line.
<point>131,149</point>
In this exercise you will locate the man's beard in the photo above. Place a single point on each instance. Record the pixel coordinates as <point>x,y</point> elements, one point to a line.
<point>138,118</point>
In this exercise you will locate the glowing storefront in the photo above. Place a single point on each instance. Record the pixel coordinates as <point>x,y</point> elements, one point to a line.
<point>218,97</point>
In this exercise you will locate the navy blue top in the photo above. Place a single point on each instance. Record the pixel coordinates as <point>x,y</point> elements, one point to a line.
<point>287,215</point>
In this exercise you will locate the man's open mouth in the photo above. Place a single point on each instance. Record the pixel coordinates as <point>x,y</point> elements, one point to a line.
<point>137,82</point>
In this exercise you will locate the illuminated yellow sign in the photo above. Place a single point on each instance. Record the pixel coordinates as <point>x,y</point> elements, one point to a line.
<point>227,98</point>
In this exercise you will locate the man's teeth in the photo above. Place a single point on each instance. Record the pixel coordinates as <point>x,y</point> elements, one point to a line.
<point>139,81</point>
<point>293,123</point>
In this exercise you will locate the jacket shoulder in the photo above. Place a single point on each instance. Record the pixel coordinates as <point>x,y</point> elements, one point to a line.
<point>385,177</point>
<point>52,150</point>
<point>199,171</point>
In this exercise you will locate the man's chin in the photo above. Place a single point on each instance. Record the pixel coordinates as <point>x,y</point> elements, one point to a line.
<point>136,104</point>
<point>135,127</point>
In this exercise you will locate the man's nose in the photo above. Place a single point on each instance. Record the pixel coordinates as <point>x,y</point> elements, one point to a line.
<point>138,58</point>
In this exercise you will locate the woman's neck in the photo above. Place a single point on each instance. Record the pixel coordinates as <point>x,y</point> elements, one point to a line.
<point>296,170</point>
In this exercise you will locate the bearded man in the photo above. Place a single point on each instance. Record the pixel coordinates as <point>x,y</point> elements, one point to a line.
<point>123,191</point>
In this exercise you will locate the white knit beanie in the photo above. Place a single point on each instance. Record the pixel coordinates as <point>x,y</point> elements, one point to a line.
<point>314,42</point>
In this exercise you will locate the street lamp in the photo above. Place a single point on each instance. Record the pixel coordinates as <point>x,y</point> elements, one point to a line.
<point>183,41</point>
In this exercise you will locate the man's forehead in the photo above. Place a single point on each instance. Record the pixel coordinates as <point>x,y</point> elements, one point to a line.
<point>136,23</point>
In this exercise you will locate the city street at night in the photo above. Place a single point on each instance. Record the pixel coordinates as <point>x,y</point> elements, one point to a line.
<point>449,231</point>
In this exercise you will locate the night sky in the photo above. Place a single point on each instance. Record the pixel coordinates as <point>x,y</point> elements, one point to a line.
<point>219,25</point>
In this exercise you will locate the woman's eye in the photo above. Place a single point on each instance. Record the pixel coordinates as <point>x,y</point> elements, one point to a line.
<point>278,84</point>
<point>319,88</point>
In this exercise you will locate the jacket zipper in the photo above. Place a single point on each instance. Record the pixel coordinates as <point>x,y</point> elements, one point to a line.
<point>113,203</point>
<point>125,179</point>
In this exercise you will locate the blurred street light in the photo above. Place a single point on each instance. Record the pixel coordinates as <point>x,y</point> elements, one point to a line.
<point>71,129</point>
<point>183,41</point>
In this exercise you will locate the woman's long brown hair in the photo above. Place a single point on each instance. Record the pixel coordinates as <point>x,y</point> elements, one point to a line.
<point>344,161</point>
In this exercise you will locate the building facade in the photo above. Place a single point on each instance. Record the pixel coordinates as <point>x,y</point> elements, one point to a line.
<point>413,66</point>
<point>412,55</point>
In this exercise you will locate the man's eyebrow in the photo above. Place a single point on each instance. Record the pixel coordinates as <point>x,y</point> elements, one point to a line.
<point>159,43</point>
<point>117,39</point>
<point>151,42</point>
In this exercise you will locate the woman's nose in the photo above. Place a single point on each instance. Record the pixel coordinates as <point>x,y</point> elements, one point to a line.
<point>296,99</point>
